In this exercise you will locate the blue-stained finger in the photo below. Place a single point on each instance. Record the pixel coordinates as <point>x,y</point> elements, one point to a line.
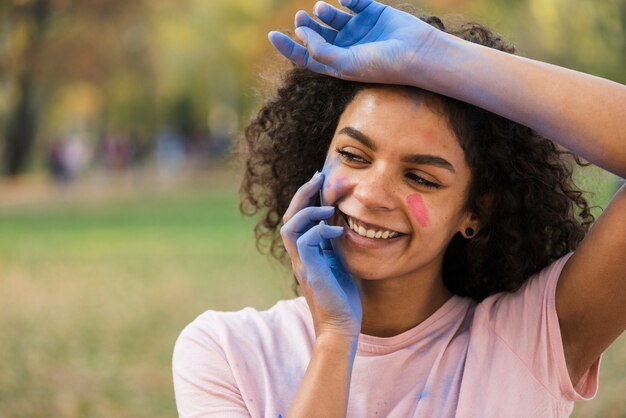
<point>283,44</point>
<point>322,52</point>
<point>306,219</point>
<point>326,245</point>
<point>303,19</point>
<point>309,250</point>
<point>295,52</point>
<point>314,236</point>
<point>298,54</point>
<point>357,6</point>
<point>319,275</point>
<point>330,15</point>
<point>304,196</point>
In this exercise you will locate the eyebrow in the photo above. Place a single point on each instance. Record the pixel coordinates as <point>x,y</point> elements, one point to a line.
<point>411,158</point>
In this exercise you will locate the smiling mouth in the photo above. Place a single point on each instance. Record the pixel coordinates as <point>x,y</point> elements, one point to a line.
<point>369,231</point>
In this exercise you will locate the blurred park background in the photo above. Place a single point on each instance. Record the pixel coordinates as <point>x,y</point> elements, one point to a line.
<point>119,218</point>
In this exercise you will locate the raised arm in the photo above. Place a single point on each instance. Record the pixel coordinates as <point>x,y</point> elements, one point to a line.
<point>379,44</point>
<point>334,302</point>
<point>581,112</point>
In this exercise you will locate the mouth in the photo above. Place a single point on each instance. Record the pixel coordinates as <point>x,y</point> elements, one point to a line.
<point>368,230</point>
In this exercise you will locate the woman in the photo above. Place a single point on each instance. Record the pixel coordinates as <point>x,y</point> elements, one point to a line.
<point>442,264</point>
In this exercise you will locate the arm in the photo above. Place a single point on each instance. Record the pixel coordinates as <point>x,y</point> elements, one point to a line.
<point>326,384</point>
<point>379,44</point>
<point>591,293</point>
<point>334,302</point>
<point>583,113</point>
<point>587,115</point>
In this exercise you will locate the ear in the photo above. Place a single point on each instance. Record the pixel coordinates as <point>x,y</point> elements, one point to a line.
<point>472,223</point>
<point>470,226</point>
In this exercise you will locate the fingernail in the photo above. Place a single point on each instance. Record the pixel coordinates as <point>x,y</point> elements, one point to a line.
<point>316,9</point>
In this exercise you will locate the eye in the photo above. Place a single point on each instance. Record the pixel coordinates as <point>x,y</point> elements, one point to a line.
<point>350,157</point>
<point>422,181</point>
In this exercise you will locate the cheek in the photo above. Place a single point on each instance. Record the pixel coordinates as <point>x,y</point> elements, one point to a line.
<point>418,209</point>
<point>333,188</point>
<point>333,182</point>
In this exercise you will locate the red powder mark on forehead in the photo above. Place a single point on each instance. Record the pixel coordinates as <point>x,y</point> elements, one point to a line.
<point>418,209</point>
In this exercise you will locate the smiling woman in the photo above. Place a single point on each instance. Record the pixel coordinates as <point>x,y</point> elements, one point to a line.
<point>443,252</point>
<point>446,143</point>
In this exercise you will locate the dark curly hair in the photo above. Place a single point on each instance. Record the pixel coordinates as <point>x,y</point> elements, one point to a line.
<point>521,188</point>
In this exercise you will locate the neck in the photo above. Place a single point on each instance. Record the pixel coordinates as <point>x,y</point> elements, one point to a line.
<point>395,305</point>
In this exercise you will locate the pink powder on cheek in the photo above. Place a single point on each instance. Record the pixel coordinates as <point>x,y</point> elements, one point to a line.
<point>418,209</point>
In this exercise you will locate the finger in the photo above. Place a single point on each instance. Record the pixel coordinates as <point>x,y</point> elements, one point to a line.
<point>303,19</point>
<point>305,220</point>
<point>304,196</point>
<point>286,46</point>
<point>298,54</point>
<point>314,236</point>
<point>357,6</point>
<point>326,245</point>
<point>300,223</point>
<point>309,251</point>
<point>321,51</point>
<point>331,16</point>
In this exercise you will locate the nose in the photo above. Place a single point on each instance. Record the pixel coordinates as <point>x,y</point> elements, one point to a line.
<point>375,190</point>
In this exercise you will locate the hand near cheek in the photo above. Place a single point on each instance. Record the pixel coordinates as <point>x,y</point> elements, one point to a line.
<point>328,288</point>
<point>377,44</point>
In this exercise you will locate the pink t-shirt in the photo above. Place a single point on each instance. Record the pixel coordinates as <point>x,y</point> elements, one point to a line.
<point>500,358</point>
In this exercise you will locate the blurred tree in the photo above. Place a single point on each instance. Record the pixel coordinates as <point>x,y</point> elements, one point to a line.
<point>73,52</point>
<point>117,66</point>
<point>29,20</point>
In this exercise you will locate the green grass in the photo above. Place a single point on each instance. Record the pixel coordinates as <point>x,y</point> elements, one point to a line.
<point>93,294</point>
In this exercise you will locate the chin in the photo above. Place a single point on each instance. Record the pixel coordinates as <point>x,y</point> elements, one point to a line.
<point>366,270</point>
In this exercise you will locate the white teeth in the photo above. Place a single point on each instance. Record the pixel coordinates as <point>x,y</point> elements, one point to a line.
<point>371,233</point>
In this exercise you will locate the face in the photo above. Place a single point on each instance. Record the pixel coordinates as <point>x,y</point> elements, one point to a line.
<point>398,177</point>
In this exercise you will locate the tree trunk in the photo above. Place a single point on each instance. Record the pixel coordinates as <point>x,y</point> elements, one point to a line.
<point>20,133</point>
<point>21,124</point>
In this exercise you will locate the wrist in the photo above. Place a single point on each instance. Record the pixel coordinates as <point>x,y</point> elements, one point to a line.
<point>336,344</point>
<point>439,65</point>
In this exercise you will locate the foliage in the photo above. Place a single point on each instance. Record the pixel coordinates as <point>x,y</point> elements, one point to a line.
<point>108,65</point>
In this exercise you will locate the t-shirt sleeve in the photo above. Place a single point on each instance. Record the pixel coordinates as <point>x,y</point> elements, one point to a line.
<point>203,381</point>
<point>526,321</point>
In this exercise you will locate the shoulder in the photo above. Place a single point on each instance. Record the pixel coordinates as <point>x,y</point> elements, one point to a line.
<point>537,289</point>
<point>223,330</point>
<point>525,323</point>
<point>223,361</point>
<point>519,316</point>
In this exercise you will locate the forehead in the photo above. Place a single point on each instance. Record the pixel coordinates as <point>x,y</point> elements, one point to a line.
<point>392,113</point>
<point>401,121</point>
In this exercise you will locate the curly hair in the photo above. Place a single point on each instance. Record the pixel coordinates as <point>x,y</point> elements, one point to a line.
<point>521,183</point>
